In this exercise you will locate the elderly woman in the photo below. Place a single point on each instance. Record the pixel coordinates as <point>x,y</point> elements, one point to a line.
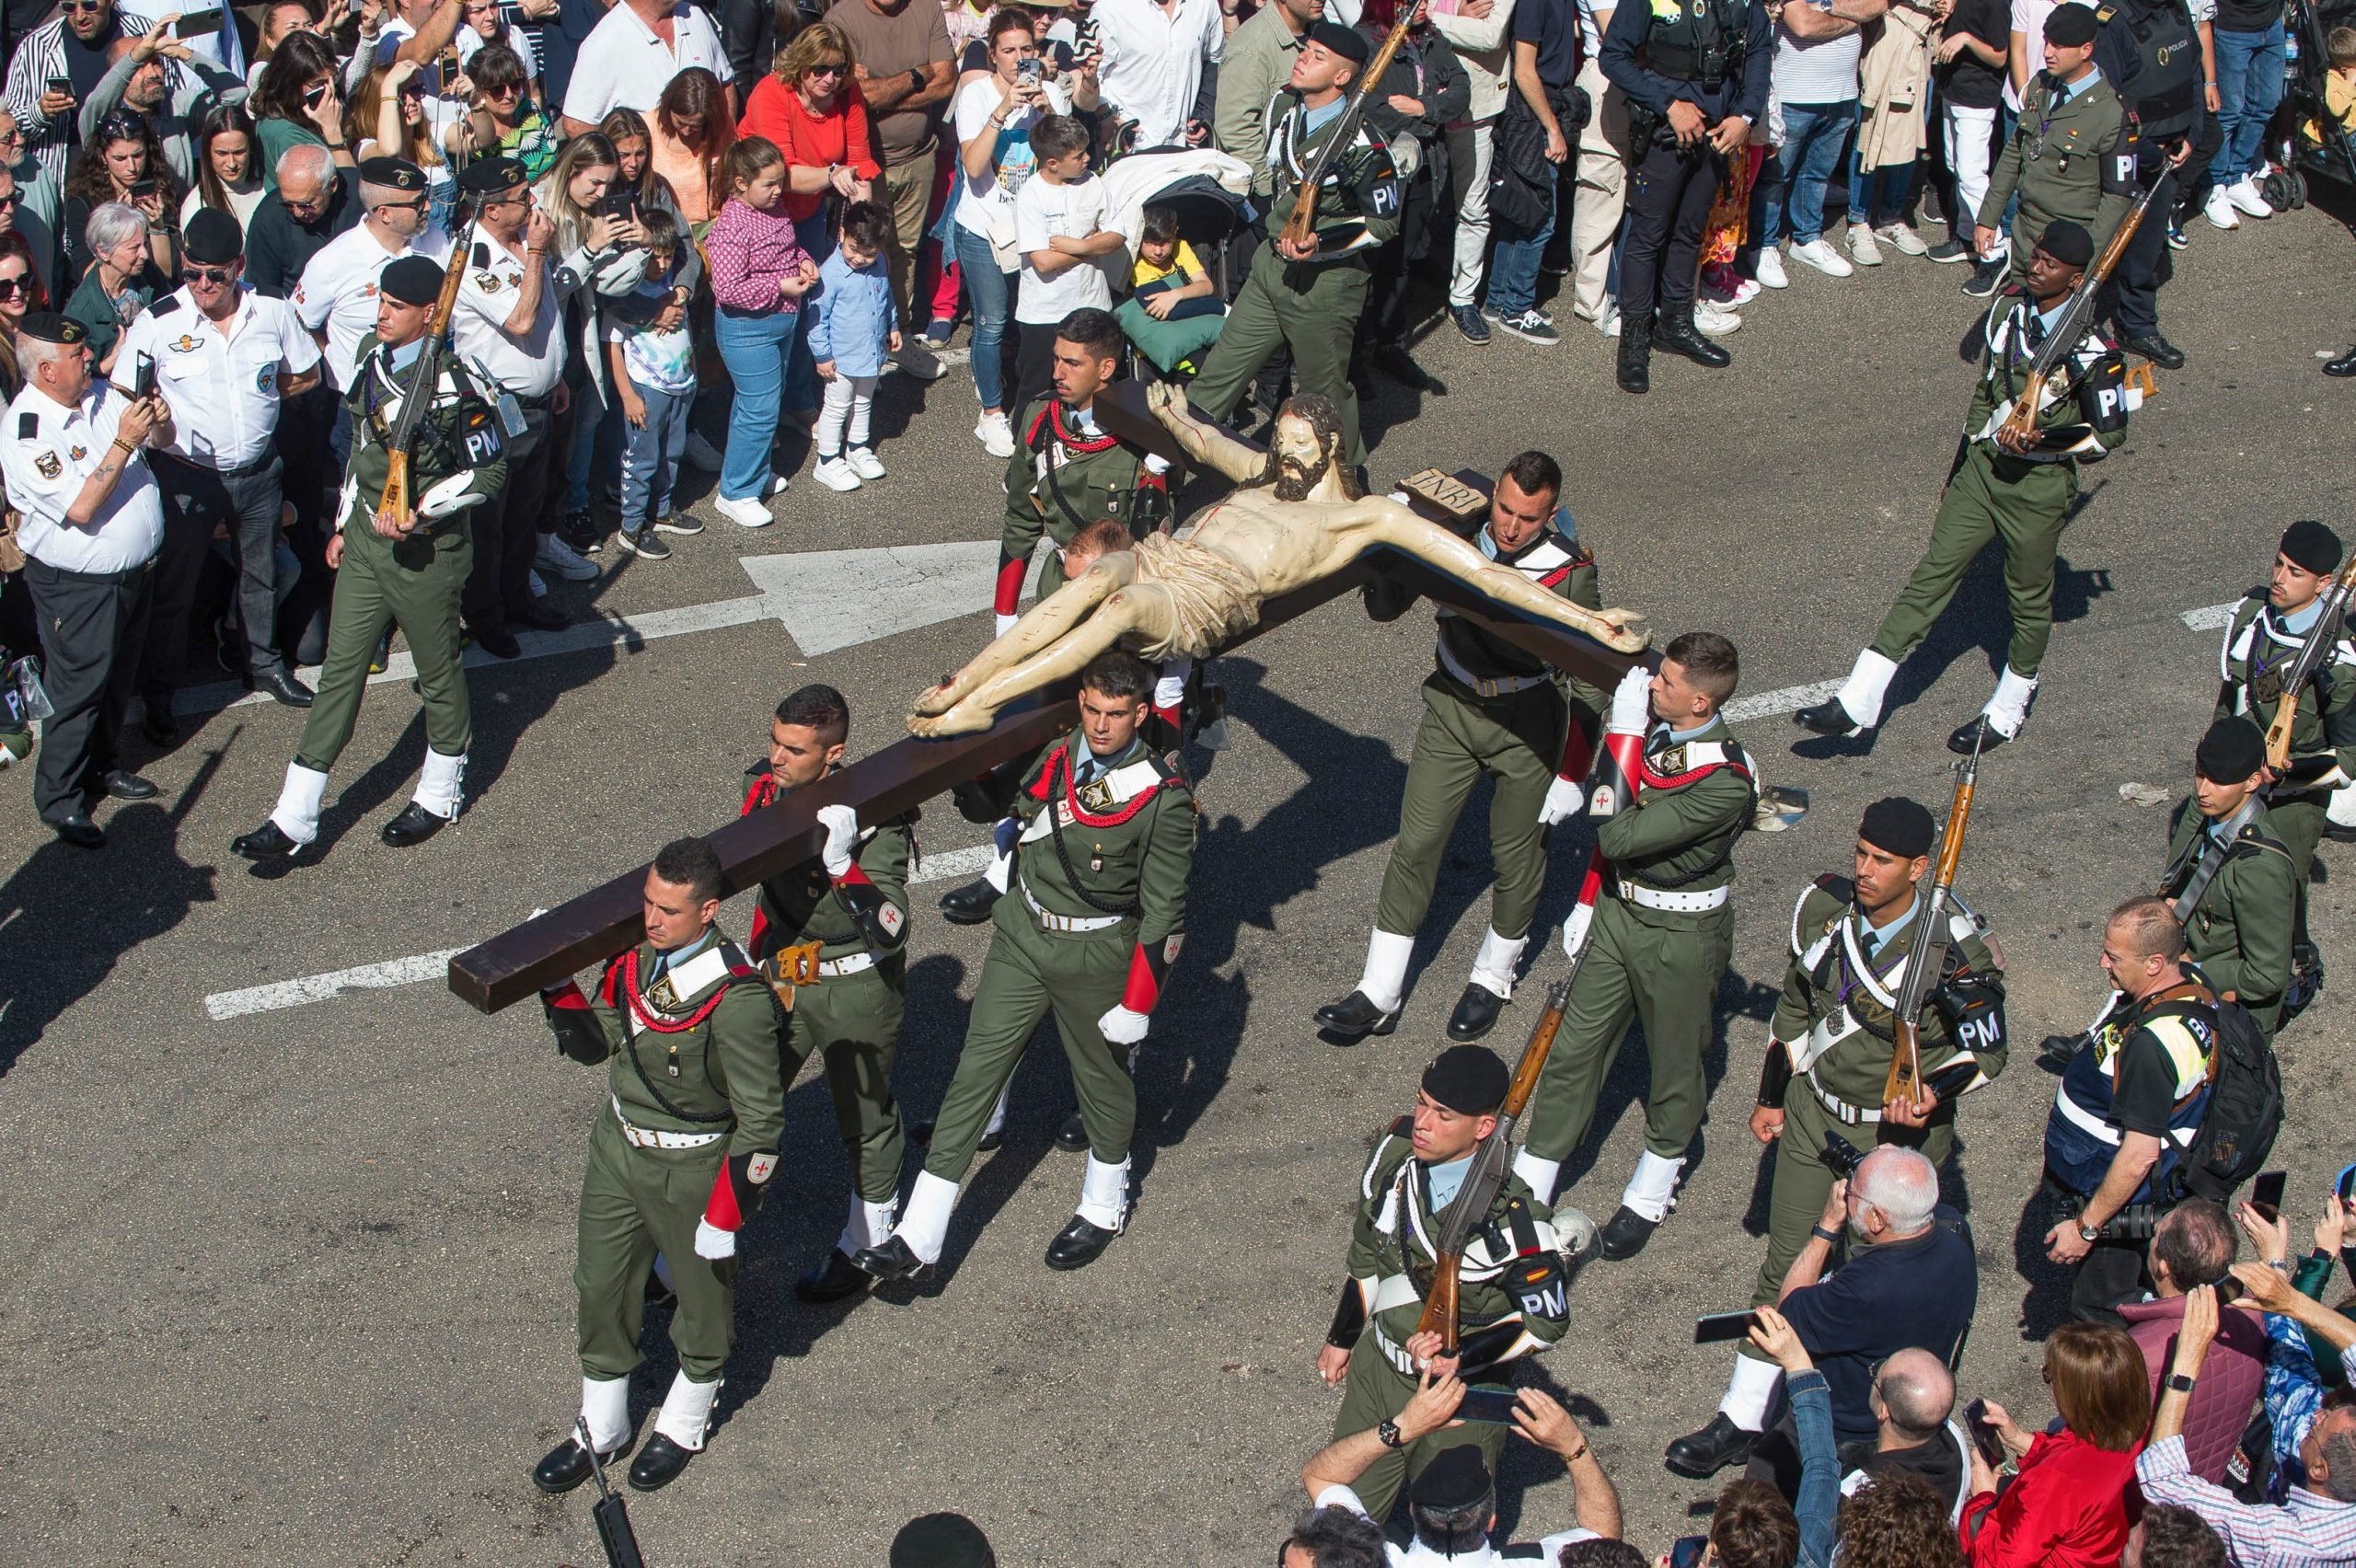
<point>2067,1508</point>
<point>121,282</point>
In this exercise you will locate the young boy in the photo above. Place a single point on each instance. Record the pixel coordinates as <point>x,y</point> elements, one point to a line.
<point>850,331</point>
<point>2339,82</point>
<point>1059,228</point>
<point>1173,313</point>
<point>654,375</point>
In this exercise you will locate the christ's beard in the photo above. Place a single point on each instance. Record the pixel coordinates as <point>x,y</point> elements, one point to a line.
<point>1294,482</point>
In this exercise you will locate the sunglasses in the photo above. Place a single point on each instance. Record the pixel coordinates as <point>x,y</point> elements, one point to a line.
<point>214,275</point>
<point>9,199</point>
<point>122,128</point>
<point>88,5</point>
<point>836,71</point>
<point>11,288</point>
<point>513,90</point>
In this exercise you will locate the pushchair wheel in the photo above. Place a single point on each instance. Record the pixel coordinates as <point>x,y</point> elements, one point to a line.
<point>2276,188</point>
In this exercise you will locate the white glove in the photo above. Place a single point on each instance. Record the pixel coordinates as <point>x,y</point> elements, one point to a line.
<point>1564,798</point>
<point>1631,703</point>
<point>1006,624</point>
<point>1575,929</point>
<point>713,1242</point>
<point>841,824</point>
<point>1122,1027</point>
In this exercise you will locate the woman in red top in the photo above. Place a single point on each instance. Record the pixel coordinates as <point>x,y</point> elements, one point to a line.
<point>815,114</point>
<point>2068,1506</point>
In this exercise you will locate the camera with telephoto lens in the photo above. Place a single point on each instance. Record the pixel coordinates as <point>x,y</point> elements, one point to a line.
<point>1841,1157</point>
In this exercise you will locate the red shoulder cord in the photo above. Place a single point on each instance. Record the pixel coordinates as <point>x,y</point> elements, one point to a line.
<point>646,1020</point>
<point>1062,759</point>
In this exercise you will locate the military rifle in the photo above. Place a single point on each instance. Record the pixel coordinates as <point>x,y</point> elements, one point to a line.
<point>612,1516</point>
<point>1301,227</point>
<point>1926,956</point>
<point>426,376</point>
<point>2314,655</point>
<point>2068,328</point>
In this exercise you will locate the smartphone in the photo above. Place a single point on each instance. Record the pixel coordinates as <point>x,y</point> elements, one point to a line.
<point>197,24</point>
<point>2229,1290</point>
<point>142,379</point>
<point>621,204</point>
<point>1029,72</point>
<point>1984,1435</point>
<point>1686,1550</point>
<point>1841,1157</point>
<point>1492,1405</point>
<point>2346,1185</point>
<point>1715,1328</point>
<point>144,186</point>
<point>2265,1193</point>
<point>315,95</point>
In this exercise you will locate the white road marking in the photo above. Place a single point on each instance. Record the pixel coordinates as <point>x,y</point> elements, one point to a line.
<point>952,863</point>
<point>2211,618</point>
<point>833,599</point>
<point>1786,699</point>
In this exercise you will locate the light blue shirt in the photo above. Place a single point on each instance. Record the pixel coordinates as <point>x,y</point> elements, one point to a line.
<point>1877,931</point>
<point>1446,1180</point>
<point>2071,90</point>
<point>2298,622</point>
<point>665,962</point>
<point>851,320</point>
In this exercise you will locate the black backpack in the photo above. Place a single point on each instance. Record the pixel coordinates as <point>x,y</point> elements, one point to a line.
<point>2245,1111</point>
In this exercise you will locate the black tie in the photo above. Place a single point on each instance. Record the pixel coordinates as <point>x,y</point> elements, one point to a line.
<point>1658,742</point>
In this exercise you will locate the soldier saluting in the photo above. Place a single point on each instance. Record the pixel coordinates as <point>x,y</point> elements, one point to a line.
<point>1828,1065</point>
<point>680,1157</point>
<point>2269,629</point>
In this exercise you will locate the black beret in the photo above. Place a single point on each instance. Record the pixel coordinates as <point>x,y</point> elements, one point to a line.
<point>50,328</point>
<point>2070,26</point>
<point>2310,545</point>
<point>213,238</point>
<point>1455,1479</point>
<point>2230,752</point>
<point>1467,1080</point>
<point>942,1540</point>
<point>1899,826</point>
<point>488,177</point>
<point>398,173</point>
<point>1347,43</point>
<point>2066,242</point>
<point>413,280</point>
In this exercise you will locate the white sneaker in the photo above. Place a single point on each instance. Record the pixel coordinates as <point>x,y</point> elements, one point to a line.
<point>1820,255</point>
<point>2243,194</point>
<point>1735,290</point>
<point>745,511</point>
<point>777,485</point>
<point>560,560</point>
<point>865,464</point>
<point>702,454</point>
<point>540,589</point>
<point>1714,320</point>
<point>2219,210</point>
<point>995,435</point>
<point>1608,322</point>
<point>1770,271</point>
<point>1903,240</point>
<point>836,474</point>
<point>1862,246</point>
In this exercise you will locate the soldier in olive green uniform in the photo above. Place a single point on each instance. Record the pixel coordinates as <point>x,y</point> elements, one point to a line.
<point>1661,930</point>
<point>2269,629</point>
<point>406,570</point>
<point>1828,1061</point>
<point>1311,302</point>
<point>2018,490</point>
<point>1489,709</point>
<point>2233,881</point>
<point>679,1159</point>
<point>1095,914</point>
<point>1514,1285</point>
<point>853,899</point>
<point>2072,153</point>
<point>1066,472</point>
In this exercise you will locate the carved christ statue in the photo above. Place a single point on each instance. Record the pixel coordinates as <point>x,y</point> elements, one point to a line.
<point>1296,517</point>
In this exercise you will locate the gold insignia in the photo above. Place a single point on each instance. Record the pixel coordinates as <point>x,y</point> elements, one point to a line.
<point>186,343</point>
<point>490,281</point>
<point>49,465</point>
<point>77,453</point>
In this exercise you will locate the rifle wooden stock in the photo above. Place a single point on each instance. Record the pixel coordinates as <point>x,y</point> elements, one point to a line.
<point>2326,631</point>
<point>396,499</point>
<point>1906,1054</point>
<point>1300,225</point>
<point>2021,424</point>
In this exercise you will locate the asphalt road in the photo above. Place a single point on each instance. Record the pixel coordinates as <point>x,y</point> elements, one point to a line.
<point>295,1286</point>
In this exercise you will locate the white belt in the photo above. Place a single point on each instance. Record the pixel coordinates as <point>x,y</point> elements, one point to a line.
<point>835,968</point>
<point>1395,1353</point>
<point>1501,685</point>
<point>654,1138</point>
<point>1054,922</point>
<point>1850,1115</point>
<point>1673,902</point>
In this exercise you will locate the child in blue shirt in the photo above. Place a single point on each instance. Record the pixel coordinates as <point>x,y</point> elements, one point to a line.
<point>850,332</point>
<point>655,377</point>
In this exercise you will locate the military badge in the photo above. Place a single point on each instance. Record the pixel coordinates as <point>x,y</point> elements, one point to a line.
<point>49,465</point>
<point>490,281</point>
<point>186,343</point>
<point>77,453</point>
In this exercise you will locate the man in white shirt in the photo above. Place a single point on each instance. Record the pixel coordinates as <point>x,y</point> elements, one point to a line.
<point>1151,68</point>
<point>629,58</point>
<point>336,296</point>
<point>71,458</point>
<point>224,359</point>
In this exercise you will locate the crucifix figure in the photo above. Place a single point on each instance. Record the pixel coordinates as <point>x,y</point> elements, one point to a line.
<point>1297,516</point>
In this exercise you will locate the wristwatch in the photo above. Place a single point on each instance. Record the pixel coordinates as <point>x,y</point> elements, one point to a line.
<point>2089,1233</point>
<point>2179,1382</point>
<point>916,78</point>
<point>1830,1238</point>
<point>1390,1434</point>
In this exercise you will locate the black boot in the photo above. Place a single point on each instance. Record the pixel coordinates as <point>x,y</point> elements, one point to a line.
<point>891,1260</point>
<point>658,1464</point>
<point>1072,1137</point>
<point>413,827</point>
<point>833,1280</point>
<point>1701,1455</point>
<point>1674,331</point>
<point>1354,1017</point>
<point>1078,1244</point>
<point>1627,1234</point>
<point>267,842</point>
<point>1826,718</point>
<point>2156,348</point>
<point>1636,352</point>
<point>2344,367</point>
<point>969,905</point>
<point>1476,1013</point>
<point>567,1466</point>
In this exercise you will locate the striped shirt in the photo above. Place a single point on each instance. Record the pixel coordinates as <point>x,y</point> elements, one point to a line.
<point>2306,1530</point>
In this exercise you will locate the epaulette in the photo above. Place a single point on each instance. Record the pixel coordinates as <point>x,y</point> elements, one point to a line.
<point>27,425</point>
<point>1840,887</point>
<point>1405,1127</point>
<point>482,254</point>
<point>165,306</point>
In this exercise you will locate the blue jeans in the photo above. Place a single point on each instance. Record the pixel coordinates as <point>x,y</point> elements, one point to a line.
<point>2249,84</point>
<point>1802,169</point>
<point>651,456</point>
<point>988,291</point>
<point>756,346</point>
<point>1513,266</point>
<point>801,370</point>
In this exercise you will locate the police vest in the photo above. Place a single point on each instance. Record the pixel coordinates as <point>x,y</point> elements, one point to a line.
<point>1697,40</point>
<point>2164,91</point>
<point>2081,1138</point>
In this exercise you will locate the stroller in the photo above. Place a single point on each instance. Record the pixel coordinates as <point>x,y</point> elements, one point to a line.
<point>2315,145</point>
<point>1209,218</point>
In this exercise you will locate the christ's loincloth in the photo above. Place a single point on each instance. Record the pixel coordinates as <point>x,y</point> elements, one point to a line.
<point>1211,598</point>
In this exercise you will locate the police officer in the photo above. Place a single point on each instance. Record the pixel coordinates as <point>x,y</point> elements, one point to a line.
<point>405,569</point>
<point>1695,75</point>
<point>1514,1281</point>
<point>2229,878</point>
<point>2269,629</point>
<point>2128,1102</point>
<point>1488,708</point>
<point>1066,471</point>
<point>1309,297</point>
<point>1828,1062</point>
<point>2148,51</point>
<point>507,325</point>
<point>1660,931</point>
<point>853,899</point>
<point>1106,835</point>
<point>224,359</point>
<point>2073,152</point>
<point>337,295</point>
<point>681,1155</point>
<point>2018,490</point>
<point>92,523</point>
